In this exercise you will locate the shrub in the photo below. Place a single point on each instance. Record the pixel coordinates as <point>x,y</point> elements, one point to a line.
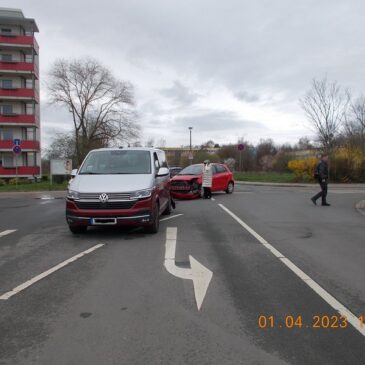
<point>303,169</point>
<point>2,182</point>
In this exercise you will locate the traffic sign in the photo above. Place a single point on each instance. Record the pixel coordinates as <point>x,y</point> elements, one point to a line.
<point>17,142</point>
<point>17,149</point>
<point>241,147</point>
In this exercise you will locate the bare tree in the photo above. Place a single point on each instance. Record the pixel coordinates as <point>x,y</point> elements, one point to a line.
<point>325,105</point>
<point>150,142</point>
<point>355,123</point>
<point>100,104</point>
<point>62,146</point>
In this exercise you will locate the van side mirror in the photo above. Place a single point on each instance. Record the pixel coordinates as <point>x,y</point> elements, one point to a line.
<point>73,173</point>
<point>163,171</point>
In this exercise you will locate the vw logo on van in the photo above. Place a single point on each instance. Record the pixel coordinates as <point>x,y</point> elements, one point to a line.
<point>103,198</point>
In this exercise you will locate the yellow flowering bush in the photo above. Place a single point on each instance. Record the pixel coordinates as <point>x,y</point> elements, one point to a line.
<point>303,169</point>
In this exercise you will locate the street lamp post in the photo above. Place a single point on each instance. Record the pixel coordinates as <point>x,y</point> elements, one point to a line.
<point>190,150</point>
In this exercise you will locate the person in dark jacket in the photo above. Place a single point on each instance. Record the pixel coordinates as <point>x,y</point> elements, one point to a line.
<point>321,174</point>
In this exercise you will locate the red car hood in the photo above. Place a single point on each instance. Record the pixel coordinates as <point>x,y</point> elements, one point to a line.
<point>186,177</point>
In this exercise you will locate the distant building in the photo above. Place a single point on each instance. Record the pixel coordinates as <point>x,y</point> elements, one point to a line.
<point>184,151</point>
<point>19,95</point>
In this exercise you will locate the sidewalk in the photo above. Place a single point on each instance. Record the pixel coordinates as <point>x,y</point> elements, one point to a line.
<point>56,194</point>
<point>302,185</point>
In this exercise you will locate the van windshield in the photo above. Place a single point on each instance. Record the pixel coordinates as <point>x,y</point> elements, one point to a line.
<point>116,162</point>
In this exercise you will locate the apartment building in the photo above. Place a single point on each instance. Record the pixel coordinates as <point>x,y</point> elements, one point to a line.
<point>19,95</point>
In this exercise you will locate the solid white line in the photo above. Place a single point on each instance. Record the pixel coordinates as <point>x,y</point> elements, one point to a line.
<point>173,216</point>
<point>332,301</point>
<point>32,281</point>
<point>5,233</point>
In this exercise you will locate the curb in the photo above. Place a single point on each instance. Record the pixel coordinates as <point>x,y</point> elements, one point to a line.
<point>252,183</point>
<point>300,185</point>
<point>34,194</point>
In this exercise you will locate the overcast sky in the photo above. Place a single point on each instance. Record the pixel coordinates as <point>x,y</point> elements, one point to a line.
<point>229,69</point>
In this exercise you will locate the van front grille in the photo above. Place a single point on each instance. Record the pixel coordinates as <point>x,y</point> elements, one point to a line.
<point>107,205</point>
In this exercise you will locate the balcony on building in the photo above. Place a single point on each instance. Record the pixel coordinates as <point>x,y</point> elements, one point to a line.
<point>16,31</point>
<point>22,171</point>
<point>19,68</point>
<point>19,119</point>
<point>19,94</point>
<point>19,41</point>
<point>27,145</point>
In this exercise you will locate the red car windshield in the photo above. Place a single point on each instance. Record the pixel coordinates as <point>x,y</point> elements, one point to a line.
<point>192,170</point>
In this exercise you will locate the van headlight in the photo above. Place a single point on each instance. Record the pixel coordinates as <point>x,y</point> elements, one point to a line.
<point>141,194</point>
<point>72,194</point>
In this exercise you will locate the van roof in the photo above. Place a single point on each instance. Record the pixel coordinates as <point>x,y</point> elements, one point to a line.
<point>150,149</point>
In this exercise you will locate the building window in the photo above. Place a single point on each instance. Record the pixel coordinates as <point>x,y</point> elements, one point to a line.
<point>30,159</point>
<point>7,84</point>
<point>8,160</point>
<point>29,83</point>
<point>6,57</point>
<point>7,110</point>
<point>29,109</point>
<point>28,134</point>
<point>7,135</point>
<point>28,58</point>
<point>5,31</point>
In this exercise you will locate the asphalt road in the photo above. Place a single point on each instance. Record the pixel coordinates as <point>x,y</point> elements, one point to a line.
<point>119,305</point>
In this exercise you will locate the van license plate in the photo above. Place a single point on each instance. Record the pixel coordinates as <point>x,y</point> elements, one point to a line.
<point>103,221</point>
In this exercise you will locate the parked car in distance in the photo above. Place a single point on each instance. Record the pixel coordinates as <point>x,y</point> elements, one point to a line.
<point>119,186</point>
<point>175,170</point>
<point>187,183</point>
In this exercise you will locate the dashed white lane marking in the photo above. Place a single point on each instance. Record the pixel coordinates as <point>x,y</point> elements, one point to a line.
<point>46,202</point>
<point>173,216</point>
<point>212,199</point>
<point>5,233</point>
<point>332,301</point>
<point>32,281</point>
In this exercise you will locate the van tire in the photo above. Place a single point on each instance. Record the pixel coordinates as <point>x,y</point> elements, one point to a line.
<point>155,225</point>
<point>168,209</point>
<point>78,229</point>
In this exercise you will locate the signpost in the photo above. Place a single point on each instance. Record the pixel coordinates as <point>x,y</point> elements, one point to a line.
<point>60,167</point>
<point>17,150</point>
<point>241,147</point>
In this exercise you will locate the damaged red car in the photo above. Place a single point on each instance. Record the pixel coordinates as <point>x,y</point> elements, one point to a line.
<point>187,184</point>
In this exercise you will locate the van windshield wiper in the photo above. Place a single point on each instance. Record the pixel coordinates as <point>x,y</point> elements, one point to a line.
<point>90,173</point>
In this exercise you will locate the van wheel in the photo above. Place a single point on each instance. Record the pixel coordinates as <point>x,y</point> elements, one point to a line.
<point>77,229</point>
<point>230,188</point>
<point>168,209</point>
<point>153,228</point>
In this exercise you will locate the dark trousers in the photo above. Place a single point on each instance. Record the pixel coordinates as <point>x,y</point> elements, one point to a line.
<point>207,192</point>
<point>323,193</point>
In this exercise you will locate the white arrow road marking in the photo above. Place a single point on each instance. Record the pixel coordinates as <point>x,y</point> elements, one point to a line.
<point>199,274</point>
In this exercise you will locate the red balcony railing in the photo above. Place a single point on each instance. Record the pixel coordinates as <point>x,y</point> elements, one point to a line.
<point>19,66</point>
<point>25,145</point>
<point>25,40</point>
<point>19,119</point>
<point>23,170</point>
<point>19,93</point>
